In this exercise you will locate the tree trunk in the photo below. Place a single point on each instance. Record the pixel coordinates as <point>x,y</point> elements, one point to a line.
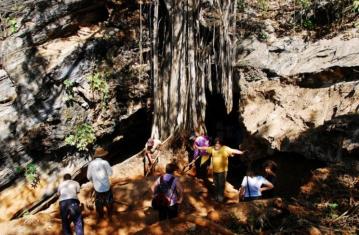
<point>183,69</point>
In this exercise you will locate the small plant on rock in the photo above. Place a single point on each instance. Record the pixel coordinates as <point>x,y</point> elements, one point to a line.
<point>98,83</point>
<point>12,24</point>
<point>262,36</point>
<point>356,5</point>
<point>308,24</point>
<point>30,172</point>
<point>69,85</point>
<point>332,210</point>
<point>83,135</point>
<point>304,3</point>
<point>263,5</point>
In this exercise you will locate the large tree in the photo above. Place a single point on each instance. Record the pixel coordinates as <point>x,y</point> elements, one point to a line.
<point>193,51</point>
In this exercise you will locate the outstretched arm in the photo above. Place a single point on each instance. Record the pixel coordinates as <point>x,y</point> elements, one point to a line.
<point>200,148</point>
<point>236,151</point>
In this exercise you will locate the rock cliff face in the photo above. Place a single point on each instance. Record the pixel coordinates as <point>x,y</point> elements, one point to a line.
<point>300,95</point>
<point>50,66</point>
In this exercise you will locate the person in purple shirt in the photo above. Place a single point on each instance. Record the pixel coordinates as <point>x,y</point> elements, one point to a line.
<point>202,163</point>
<point>174,194</point>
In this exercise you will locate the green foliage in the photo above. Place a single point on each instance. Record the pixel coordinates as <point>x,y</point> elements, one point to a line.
<point>83,135</point>
<point>26,214</point>
<point>308,24</point>
<point>333,205</point>
<point>98,83</point>
<point>332,210</point>
<point>19,170</point>
<point>263,4</point>
<point>12,23</point>
<point>69,90</point>
<point>262,36</point>
<point>31,172</point>
<point>68,84</point>
<point>304,3</point>
<point>356,5</point>
<point>241,5</point>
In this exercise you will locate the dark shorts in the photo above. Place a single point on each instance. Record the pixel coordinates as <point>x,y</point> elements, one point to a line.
<point>168,212</point>
<point>104,199</point>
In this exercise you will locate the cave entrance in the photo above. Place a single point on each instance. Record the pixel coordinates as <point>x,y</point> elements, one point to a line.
<point>220,124</point>
<point>293,171</point>
<point>134,133</point>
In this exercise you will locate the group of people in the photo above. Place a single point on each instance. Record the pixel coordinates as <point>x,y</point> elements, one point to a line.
<point>98,172</point>
<point>167,190</point>
<point>255,184</point>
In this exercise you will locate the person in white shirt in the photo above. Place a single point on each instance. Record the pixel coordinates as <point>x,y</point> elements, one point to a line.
<point>253,185</point>
<point>99,172</point>
<point>70,206</point>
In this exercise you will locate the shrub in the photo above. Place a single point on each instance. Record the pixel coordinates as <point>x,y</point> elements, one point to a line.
<point>83,135</point>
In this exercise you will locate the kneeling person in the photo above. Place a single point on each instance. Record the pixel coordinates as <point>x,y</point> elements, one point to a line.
<point>253,185</point>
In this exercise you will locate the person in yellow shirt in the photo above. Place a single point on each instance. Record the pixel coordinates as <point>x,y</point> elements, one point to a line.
<point>220,154</point>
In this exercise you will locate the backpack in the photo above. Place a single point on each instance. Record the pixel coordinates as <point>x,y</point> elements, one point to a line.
<point>160,200</point>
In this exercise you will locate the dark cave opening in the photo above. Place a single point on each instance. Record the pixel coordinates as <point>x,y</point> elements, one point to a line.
<point>294,170</point>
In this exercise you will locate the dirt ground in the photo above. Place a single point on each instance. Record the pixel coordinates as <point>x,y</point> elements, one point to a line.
<point>326,204</point>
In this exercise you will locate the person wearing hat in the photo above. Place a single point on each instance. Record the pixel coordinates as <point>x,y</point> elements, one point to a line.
<point>151,151</point>
<point>99,172</point>
<point>70,206</point>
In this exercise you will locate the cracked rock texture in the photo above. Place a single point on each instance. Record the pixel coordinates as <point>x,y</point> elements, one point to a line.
<point>301,97</point>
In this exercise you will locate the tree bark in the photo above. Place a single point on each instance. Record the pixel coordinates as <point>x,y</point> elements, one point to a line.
<point>184,70</point>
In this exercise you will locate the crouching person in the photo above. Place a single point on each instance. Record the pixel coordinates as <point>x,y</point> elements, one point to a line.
<point>167,193</point>
<point>70,206</point>
<point>253,185</point>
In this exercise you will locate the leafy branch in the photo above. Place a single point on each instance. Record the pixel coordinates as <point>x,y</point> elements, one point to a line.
<point>83,135</point>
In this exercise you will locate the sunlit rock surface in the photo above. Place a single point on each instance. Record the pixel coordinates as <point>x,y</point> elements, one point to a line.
<point>302,96</point>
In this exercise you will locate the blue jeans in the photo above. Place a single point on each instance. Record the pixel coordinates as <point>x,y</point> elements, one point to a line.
<point>71,212</point>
